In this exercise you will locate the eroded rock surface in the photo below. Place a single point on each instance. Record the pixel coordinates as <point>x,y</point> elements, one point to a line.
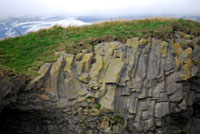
<point>10,84</point>
<point>132,88</point>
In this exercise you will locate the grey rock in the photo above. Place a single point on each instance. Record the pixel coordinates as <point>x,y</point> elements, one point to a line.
<point>161,109</point>
<point>142,86</point>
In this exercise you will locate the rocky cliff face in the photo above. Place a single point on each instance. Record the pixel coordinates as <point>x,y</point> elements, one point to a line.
<point>144,86</point>
<point>10,84</point>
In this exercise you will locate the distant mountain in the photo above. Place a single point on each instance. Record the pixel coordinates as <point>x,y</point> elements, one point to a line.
<point>19,26</point>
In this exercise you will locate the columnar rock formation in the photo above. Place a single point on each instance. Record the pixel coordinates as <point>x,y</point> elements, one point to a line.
<point>137,87</point>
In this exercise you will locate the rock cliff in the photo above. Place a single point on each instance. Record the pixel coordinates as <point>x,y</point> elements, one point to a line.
<point>143,86</point>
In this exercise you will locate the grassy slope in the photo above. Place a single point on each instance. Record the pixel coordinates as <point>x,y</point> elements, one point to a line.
<point>26,53</point>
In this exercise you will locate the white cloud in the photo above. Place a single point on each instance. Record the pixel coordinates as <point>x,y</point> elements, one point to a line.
<point>108,8</point>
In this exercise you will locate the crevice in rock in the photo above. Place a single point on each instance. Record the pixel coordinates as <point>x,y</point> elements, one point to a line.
<point>147,65</point>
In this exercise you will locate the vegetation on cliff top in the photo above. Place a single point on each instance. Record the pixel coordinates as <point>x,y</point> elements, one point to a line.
<point>27,53</point>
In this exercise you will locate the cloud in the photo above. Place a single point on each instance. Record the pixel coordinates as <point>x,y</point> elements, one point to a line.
<point>106,8</point>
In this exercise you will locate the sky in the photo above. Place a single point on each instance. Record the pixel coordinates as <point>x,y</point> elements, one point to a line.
<point>98,8</point>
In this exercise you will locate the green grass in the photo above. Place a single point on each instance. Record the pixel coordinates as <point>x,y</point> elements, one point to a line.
<point>98,106</point>
<point>27,53</point>
<point>89,97</point>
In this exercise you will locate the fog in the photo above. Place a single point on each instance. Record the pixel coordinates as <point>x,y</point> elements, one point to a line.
<point>98,8</point>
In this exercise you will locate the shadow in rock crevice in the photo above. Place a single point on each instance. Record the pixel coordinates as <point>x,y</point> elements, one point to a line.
<point>20,122</point>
